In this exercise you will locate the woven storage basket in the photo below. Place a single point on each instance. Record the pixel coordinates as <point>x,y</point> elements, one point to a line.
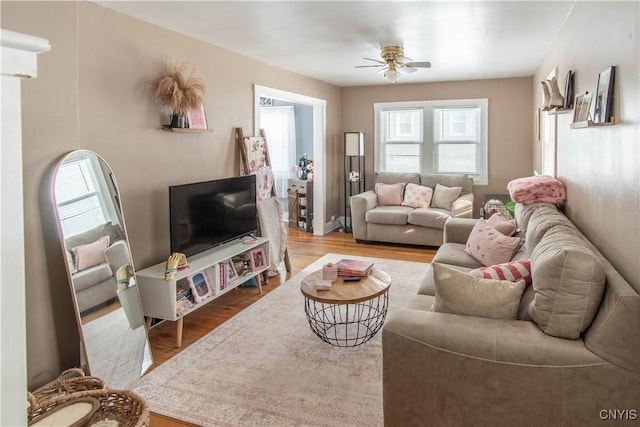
<point>70,381</point>
<point>123,406</point>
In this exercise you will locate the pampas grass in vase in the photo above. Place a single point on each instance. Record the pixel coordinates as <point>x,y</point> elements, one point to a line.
<point>179,89</point>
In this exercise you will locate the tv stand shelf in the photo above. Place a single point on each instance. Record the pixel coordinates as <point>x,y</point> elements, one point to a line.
<point>159,295</point>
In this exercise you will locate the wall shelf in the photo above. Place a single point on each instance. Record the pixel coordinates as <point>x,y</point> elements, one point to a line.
<point>185,130</point>
<point>589,124</point>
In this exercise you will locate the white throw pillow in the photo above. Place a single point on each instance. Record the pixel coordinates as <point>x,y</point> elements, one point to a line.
<point>444,196</point>
<point>417,196</point>
<point>461,293</point>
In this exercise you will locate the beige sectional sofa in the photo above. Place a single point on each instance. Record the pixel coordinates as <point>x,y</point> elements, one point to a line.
<point>403,224</point>
<point>443,369</point>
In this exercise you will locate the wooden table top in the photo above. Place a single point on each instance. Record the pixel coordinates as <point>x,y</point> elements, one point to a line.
<point>341,292</point>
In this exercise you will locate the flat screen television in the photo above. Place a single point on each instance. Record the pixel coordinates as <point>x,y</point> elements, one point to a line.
<point>204,215</point>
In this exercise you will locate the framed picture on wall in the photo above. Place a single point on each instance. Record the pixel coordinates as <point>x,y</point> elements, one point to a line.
<point>582,106</point>
<point>604,96</point>
<point>197,118</point>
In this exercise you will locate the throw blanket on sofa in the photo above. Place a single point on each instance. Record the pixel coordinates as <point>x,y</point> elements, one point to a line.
<point>270,216</point>
<point>536,189</point>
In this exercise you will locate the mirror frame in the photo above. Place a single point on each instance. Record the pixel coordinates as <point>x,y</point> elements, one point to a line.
<point>116,208</point>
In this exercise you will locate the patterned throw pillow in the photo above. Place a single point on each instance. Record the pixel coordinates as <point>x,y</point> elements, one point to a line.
<point>489,246</point>
<point>511,271</point>
<point>389,194</point>
<point>444,196</point>
<point>505,226</point>
<point>417,196</point>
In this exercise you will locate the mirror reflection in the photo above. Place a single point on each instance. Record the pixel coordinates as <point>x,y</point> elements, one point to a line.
<point>102,277</point>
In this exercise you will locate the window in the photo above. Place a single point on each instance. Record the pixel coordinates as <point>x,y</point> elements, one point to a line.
<point>433,137</point>
<point>79,198</point>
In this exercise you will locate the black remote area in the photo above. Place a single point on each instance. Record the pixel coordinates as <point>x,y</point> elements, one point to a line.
<point>351,279</point>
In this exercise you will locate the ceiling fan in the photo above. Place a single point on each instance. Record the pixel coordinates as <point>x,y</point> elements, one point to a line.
<point>395,63</point>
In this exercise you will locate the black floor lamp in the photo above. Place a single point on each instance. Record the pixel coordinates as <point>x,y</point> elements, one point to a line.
<point>354,176</point>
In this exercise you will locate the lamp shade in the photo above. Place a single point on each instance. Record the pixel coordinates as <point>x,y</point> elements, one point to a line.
<point>354,144</point>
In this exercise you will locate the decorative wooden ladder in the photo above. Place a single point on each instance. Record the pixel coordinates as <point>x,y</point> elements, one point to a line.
<point>244,158</point>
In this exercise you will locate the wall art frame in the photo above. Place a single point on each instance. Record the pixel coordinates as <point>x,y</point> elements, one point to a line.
<point>603,104</point>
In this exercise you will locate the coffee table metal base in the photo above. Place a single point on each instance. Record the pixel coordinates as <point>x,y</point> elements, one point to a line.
<point>347,325</point>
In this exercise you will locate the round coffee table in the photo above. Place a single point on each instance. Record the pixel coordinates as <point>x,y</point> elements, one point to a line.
<point>350,313</point>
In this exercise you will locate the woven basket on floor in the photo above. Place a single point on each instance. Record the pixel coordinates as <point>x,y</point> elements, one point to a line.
<point>123,406</point>
<point>70,381</point>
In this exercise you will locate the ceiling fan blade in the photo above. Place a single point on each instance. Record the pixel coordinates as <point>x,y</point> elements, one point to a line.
<point>375,60</point>
<point>418,64</point>
<point>368,66</point>
<point>382,70</point>
<point>408,70</point>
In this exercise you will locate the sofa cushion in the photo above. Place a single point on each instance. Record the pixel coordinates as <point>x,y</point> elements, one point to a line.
<point>568,281</point>
<point>523,214</point>
<point>450,180</point>
<point>396,177</point>
<point>489,246</point>
<point>389,194</point>
<point>512,271</point>
<point>444,196</point>
<point>503,225</point>
<point>427,286</point>
<point>396,215</point>
<point>454,254</point>
<point>430,217</point>
<point>540,223</point>
<point>417,196</point>
<point>461,293</point>
<point>114,231</point>
<point>91,254</point>
<point>92,276</point>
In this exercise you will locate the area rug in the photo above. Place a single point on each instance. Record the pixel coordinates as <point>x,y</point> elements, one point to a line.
<point>265,367</point>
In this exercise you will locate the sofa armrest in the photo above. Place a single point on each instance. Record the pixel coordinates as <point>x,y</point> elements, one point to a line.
<point>462,207</point>
<point>360,204</point>
<point>117,255</point>
<point>457,230</point>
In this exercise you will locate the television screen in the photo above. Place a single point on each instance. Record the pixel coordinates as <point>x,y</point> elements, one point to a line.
<point>203,215</point>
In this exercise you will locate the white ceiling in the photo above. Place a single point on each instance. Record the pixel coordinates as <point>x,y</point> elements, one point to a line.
<point>325,39</point>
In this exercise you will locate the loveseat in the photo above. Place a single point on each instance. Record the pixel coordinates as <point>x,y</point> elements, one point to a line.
<point>94,257</point>
<point>396,222</point>
<point>571,356</point>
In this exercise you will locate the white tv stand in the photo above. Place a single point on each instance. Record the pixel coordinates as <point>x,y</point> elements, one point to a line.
<point>159,295</point>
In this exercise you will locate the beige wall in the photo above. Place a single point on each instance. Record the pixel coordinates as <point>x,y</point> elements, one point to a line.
<point>510,126</point>
<point>601,166</point>
<point>92,92</point>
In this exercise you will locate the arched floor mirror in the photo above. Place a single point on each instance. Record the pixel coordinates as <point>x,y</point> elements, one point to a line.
<point>115,346</point>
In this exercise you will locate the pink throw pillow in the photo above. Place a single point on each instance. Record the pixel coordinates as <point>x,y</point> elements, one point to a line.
<point>511,271</point>
<point>505,226</point>
<point>389,194</point>
<point>489,246</point>
<point>417,196</point>
<point>91,254</point>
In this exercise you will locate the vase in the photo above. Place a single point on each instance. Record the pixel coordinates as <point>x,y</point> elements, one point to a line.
<point>177,121</point>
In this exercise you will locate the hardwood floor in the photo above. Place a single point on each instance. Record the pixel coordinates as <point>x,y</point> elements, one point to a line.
<point>304,248</point>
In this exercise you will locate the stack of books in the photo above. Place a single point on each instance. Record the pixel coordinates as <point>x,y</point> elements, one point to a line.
<point>354,268</point>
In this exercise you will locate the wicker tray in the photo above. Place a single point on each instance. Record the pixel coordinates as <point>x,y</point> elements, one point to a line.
<point>123,406</point>
<point>70,381</point>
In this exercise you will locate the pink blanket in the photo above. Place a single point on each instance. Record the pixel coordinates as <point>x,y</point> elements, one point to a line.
<point>536,189</point>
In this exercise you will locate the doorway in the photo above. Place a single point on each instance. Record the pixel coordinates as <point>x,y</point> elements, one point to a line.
<point>317,136</point>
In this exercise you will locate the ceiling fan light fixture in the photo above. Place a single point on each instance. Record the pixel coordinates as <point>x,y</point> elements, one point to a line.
<point>392,75</point>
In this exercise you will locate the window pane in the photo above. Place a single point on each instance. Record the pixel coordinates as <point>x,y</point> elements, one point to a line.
<point>404,125</point>
<point>402,158</point>
<point>457,124</point>
<point>457,158</point>
<point>73,180</point>
<point>80,216</point>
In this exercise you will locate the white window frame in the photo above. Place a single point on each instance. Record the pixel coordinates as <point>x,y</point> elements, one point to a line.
<point>428,161</point>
